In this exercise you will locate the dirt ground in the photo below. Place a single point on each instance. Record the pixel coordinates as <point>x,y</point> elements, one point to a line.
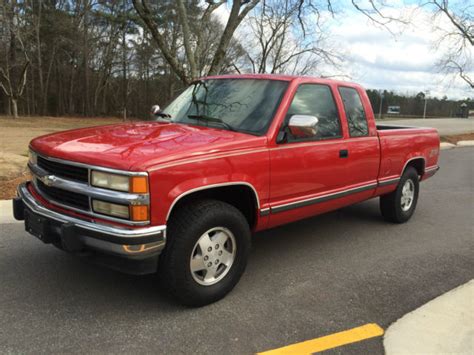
<point>16,134</point>
<point>458,137</point>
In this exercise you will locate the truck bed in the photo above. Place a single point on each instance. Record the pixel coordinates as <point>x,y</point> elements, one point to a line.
<point>400,144</point>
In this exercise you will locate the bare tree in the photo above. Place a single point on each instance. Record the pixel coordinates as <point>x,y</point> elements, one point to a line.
<point>96,57</point>
<point>192,40</point>
<point>284,41</point>
<point>457,41</point>
<point>14,65</point>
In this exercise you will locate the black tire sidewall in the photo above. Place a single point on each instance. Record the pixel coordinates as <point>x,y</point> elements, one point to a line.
<point>409,174</point>
<point>177,259</point>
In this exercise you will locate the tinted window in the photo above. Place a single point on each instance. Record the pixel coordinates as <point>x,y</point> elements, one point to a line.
<point>316,100</point>
<point>354,112</point>
<point>244,105</point>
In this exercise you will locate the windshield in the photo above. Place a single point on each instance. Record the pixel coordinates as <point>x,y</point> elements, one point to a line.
<point>243,105</point>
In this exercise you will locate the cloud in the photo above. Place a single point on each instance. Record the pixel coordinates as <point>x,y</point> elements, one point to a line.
<point>404,61</point>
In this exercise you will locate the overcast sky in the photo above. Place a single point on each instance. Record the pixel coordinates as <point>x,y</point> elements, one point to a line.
<point>402,59</point>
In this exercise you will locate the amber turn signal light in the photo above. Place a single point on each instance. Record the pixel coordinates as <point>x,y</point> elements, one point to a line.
<point>139,184</point>
<point>139,213</point>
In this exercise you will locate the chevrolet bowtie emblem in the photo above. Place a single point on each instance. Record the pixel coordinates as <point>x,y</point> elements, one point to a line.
<point>48,180</point>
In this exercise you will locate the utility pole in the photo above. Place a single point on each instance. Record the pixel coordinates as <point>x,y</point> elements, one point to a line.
<point>381,101</point>
<point>427,92</point>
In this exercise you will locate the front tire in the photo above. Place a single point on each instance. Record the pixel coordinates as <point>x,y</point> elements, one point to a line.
<point>399,206</point>
<point>206,253</point>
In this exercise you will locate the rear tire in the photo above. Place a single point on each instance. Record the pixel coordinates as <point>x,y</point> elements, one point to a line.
<point>399,206</point>
<point>206,252</point>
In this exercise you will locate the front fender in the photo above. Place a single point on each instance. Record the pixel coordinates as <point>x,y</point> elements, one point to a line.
<point>169,184</point>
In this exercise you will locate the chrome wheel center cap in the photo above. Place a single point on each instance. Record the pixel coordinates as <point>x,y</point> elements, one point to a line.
<point>213,255</point>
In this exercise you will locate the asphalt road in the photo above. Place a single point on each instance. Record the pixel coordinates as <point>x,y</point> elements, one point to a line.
<point>304,280</point>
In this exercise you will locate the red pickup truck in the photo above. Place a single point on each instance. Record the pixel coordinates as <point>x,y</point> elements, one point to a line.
<point>231,155</point>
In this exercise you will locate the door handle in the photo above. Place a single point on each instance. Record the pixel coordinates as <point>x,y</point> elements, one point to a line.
<point>343,153</point>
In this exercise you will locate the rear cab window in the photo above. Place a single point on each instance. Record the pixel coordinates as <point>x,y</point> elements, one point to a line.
<point>355,113</point>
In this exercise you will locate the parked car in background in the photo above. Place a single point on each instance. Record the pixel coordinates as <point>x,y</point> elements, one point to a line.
<point>393,110</point>
<point>230,156</point>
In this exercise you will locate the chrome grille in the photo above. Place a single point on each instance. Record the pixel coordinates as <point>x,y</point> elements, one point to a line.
<point>64,170</point>
<point>65,197</point>
<point>66,184</point>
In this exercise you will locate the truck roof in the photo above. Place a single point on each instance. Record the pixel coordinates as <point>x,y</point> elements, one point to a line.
<point>282,77</point>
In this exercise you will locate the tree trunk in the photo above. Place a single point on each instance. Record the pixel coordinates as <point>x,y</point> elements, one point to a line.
<point>14,106</point>
<point>8,106</point>
<point>85,58</point>
<point>124,72</point>
<point>45,87</point>
<point>39,57</point>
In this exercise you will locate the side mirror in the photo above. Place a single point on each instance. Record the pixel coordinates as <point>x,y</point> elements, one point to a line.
<point>156,114</point>
<point>303,126</point>
<point>154,110</point>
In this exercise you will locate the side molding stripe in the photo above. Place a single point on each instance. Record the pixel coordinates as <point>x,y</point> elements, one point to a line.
<point>388,182</point>
<point>289,206</point>
<point>320,199</point>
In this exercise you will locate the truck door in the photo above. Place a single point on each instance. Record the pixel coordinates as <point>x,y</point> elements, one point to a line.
<point>363,147</point>
<point>303,170</point>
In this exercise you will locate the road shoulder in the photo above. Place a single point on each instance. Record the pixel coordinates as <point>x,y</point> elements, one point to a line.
<point>6,212</point>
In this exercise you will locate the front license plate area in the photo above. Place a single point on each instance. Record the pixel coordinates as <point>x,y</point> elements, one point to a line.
<point>36,225</point>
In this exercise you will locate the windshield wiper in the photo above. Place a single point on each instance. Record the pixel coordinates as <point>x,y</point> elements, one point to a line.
<point>212,119</point>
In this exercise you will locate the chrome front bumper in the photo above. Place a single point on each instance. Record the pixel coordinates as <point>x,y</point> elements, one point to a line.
<point>76,234</point>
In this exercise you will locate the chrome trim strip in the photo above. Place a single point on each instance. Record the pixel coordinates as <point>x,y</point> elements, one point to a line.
<point>388,182</point>
<point>33,205</point>
<point>91,167</point>
<point>264,212</point>
<point>87,212</point>
<point>432,168</point>
<point>319,199</point>
<point>207,187</point>
<point>124,198</point>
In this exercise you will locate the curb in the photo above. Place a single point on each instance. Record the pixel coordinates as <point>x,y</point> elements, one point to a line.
<point>465,144</point>
<point>444,325</point>
<point>6,212</point>
<point>446,145</point>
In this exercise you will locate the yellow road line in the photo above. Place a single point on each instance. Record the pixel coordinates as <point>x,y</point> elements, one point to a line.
<point>329,341</point>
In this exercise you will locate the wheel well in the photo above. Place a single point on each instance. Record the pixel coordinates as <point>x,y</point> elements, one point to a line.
<point>418,164</point>
<point>241,197</point>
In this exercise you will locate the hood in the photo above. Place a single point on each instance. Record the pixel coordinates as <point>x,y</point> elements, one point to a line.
<point>139,146</point>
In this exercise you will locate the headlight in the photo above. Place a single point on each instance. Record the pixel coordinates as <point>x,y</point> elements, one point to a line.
<point>134,184</point>
<point>32,157</point>
<point>111,181</point>
<point>111,209</point>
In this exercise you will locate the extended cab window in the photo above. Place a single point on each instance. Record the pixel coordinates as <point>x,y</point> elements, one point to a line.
<point>316,100</point>
<point>355,113</point>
